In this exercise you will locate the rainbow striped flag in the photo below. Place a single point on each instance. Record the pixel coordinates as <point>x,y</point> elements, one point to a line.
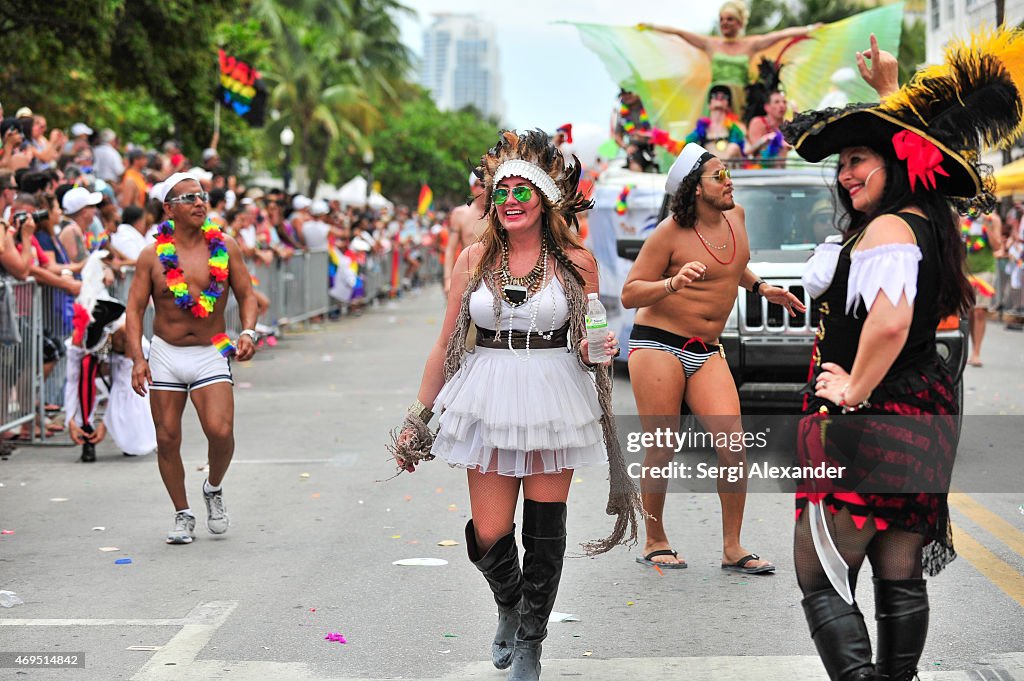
<point>426,200</point>
<point>242,89</point>
<point>981,286</point>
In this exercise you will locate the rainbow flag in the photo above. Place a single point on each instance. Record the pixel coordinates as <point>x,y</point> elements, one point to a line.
<point>242,89</point>
<point>981,286</point>
<point>223,344</point>
<point>426,200</point>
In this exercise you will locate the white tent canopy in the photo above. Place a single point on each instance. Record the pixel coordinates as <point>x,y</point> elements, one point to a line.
<point>353,193</point>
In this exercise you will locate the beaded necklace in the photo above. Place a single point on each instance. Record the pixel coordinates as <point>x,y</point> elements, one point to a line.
<point>708,245</point>
<point>628,124</point>
<point>218,263</point>
<point>535,286</point>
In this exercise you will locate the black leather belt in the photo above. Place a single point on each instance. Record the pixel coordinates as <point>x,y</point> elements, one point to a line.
<point>485,338</point>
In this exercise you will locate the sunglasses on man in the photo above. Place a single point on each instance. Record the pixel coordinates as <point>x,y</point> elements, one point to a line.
<point>722,175</point>
<point>522,194</point>
<point>203,197</point>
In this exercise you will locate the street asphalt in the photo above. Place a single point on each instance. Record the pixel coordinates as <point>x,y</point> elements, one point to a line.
<point>317,523</point>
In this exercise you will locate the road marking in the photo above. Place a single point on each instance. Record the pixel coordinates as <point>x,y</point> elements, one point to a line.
<point>989,521</point>
<point>996,570</point>
<point>181,651</point>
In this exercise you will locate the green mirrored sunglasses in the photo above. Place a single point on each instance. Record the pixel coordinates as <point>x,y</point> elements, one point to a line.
<point>522,194</point>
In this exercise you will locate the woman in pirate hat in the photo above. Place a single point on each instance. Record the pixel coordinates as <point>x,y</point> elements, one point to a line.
<point>903,165</point>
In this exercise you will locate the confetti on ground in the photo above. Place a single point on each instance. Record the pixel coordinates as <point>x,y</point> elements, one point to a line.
<point>447,542</point>
<point>578,480</point>
<point>629,604</point>
<point>147,649</point>
<point>303,475</point>
<point>588,653</point>
<point>6,531</point>
<point>396,536</point>
<point>360,502</point>
<point>408,497</point>
<point>58,498</point>
<point>99,528</point>
<point>123,561</point>
<point>327,358</point>
<point>244,386</point>
<point>660,571</point>
<point>438,490</point>
<point>562,617</point>
<point>421,562</point>
<point>204,468</point>
<point>453,507</point>
<point>108,549</point>
<point>315,495</point>
<point>451,635</point>
<point>335,637</point>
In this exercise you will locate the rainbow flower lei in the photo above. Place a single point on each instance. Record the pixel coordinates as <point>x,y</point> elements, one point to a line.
<point>627,123</point>
<point>168,255</point>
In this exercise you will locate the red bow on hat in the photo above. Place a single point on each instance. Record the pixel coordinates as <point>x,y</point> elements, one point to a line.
<point>567,129</point>
<point>924,160</point>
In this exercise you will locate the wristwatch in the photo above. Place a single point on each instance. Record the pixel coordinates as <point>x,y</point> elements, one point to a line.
<point>251,333</point>
<point>756,288</point>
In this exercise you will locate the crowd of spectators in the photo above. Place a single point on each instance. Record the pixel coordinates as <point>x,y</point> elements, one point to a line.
<point>66,194</point>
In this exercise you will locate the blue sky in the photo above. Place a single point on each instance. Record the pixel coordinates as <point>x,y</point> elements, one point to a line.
<point>549,77</point>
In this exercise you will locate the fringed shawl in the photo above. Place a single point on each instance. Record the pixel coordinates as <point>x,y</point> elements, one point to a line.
<point>623,496</point>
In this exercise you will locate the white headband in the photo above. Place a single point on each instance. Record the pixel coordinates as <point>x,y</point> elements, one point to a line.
<point>528,171</point>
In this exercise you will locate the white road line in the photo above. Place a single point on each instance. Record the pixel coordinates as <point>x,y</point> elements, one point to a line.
<point>180,652</point>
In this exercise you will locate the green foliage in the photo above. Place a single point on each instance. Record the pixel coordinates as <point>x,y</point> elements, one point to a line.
<point>912,49</point>
<point>419,144</point>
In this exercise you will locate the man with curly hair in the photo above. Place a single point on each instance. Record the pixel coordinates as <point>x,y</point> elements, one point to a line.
<point>683,285</point>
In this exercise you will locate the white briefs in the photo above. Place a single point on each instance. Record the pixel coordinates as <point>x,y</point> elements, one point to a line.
<point>178,368</point>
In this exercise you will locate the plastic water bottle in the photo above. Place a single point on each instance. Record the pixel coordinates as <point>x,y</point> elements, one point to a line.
<point>597,329</point>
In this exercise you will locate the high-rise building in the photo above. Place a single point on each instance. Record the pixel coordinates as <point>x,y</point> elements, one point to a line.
<point>460,64</point>
<point>949,19</point>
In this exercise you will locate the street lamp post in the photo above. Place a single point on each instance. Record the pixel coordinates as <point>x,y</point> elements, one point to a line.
<point>287,140</point>
<point>368,166</point>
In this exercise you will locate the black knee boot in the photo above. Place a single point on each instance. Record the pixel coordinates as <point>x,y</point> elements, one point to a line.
<point>901,615</point>
<point>500,567</point>
<point>544,544</point>
<point>839,635</point>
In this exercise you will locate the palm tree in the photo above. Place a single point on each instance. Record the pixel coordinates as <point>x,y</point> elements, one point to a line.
<point>333,62</point>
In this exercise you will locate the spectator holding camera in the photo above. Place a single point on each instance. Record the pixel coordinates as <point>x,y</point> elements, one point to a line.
<point>79,204</point>
<point>15,153</point>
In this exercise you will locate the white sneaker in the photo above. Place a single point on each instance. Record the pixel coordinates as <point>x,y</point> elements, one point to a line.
<point>217,520</point>
<point>184,529</point>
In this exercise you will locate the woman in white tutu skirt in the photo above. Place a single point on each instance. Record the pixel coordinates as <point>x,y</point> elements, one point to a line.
<point>521,406</point>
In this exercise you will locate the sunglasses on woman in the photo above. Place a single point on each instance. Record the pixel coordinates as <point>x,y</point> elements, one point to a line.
<point>522,194</point>
<point>722,175</point>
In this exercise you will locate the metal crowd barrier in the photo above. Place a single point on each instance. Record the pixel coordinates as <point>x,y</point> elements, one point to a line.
<point>20,353</point>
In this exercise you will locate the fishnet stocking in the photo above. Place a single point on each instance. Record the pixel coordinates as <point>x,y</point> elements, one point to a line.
<point>894,554</point>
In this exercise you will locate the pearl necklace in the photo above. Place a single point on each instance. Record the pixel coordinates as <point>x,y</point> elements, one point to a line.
<point>534,311</point>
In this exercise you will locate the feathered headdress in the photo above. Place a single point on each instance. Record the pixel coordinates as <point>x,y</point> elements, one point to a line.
<point>937,121</point>
<point>95,313</point>
<point>532,156</point>
<point>760,91</point>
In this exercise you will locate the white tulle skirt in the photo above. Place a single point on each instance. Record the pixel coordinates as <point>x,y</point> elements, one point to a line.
<point>501,414</point>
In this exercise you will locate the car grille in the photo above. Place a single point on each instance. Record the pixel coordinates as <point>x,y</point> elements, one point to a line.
<point>758,315</point>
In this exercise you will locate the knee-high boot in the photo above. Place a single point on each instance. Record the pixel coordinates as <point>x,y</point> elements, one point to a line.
<point>901,615</point>
<point>500,567</point>
<point>544,545</point>
<point>839,635</point>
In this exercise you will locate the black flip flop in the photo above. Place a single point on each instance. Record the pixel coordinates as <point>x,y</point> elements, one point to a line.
<point>741,566</point>
<point>646,560</point>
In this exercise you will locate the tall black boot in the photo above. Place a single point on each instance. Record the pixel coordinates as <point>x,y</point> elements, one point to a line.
<point>901,615</point>
<point>839,635</point>
<point>544,544</point>
<point>500,567</point>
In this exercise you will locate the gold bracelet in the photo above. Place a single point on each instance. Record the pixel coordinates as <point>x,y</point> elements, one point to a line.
<point>421,411</point>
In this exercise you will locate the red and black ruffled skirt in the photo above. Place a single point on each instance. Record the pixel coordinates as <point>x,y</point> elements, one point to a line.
<point>897,456</point>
